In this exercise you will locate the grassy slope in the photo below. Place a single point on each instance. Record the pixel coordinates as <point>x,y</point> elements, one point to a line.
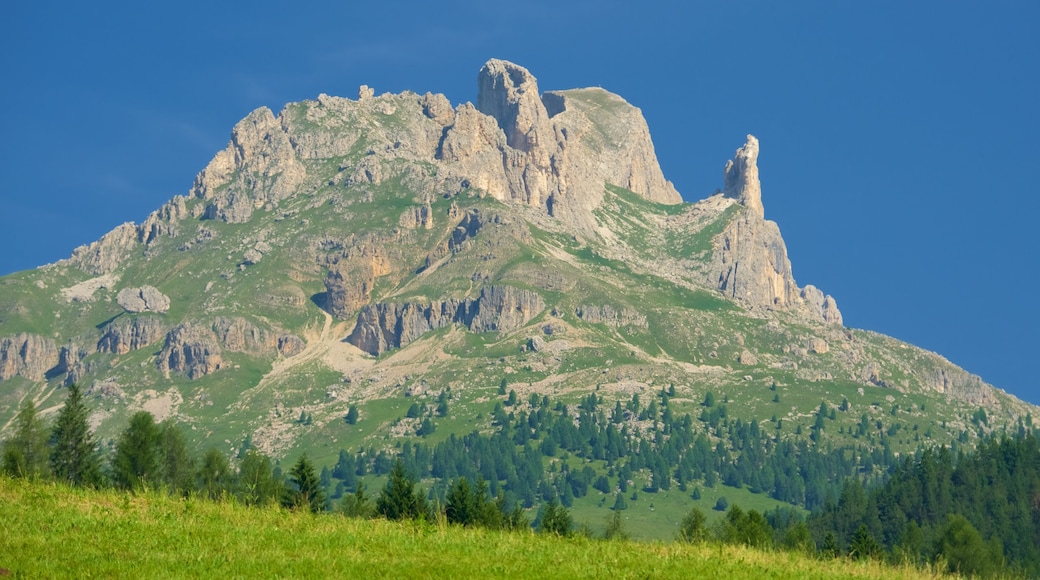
<point>53,531</point>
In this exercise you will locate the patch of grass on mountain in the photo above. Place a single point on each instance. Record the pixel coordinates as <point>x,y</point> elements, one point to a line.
<point>53,530</point>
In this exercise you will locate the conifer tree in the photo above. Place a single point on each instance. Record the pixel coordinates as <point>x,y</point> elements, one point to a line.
<point>178,466</point>
<point>308,492</point>
<point>555,519</point>
<point>25,453</point>
<point>74,457</point>
<point>400,499</point>
<point>137,461</point>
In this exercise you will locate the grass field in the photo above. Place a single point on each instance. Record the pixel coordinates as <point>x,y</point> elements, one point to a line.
<point>54,531</point>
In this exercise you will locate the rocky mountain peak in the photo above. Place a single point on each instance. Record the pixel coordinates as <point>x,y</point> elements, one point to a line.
<point>509,93</point>
<point>741,177</point>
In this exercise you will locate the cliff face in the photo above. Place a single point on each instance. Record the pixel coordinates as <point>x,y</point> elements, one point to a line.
<point>749,262</point>
<point>383,326</point>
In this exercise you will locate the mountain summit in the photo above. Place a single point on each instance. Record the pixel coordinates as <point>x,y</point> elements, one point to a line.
<point>373,252</point>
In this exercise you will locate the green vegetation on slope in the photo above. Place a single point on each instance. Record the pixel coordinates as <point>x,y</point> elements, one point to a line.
<point>52,530</point>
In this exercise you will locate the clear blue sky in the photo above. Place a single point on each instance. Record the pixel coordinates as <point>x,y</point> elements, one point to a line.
<point>899,139</point>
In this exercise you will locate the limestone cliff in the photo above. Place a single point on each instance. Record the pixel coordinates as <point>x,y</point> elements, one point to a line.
<point>750,262</point>
<point>127,334</point>
<point>27,355</point>
<point>383,326</point>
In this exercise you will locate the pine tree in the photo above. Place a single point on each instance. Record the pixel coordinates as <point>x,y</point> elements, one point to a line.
<point>308,492</point>
<point>399,499</point>
<point>461,504</point>
<point>555,519</point>
<point>864,545</point>
<point>137,461</point>
<point>352,415</point>
<point>178,466</point>
<point>26,453</point>
<point>74,457</point>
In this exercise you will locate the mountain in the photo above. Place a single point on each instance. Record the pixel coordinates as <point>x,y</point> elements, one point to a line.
<point>393,249</point>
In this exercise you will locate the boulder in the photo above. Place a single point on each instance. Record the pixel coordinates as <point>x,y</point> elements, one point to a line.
<point>143,299</point>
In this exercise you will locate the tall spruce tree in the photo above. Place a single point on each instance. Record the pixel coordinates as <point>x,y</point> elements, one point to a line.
<point>26,453</point>
<point>400,499</point>
<point>307,492</point>
<point>74,456</point>
<point>178,466</point>
<point>138,459</point>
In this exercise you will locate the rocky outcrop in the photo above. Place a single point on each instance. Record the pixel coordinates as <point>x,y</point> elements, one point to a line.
<point>239,335</point>
<point>502,309</point>
<point>106,254</point>
<point>258,166</point>
<point>127,334</point>
<point>190,350</point>
<point>383,326</point>
<point>417,217</point>
<point>556,151</point>
<point>143,299</point>
<point>348,286</point>
<point>28,356</point>
<point>195,349</point>
<point>163,222</point>
<point>290,345</point>
<point>610,316</point>
<point>824,306</point>
<point>749,262</point>
<point>740,178</point>
<point>957,383</point>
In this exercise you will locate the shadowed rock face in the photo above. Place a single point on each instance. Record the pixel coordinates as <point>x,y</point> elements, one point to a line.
<point>383,326</point>
<point>27,355</point>
<point>126,334</point>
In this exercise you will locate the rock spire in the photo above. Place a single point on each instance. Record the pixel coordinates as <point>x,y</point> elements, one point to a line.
<point>741,177</point>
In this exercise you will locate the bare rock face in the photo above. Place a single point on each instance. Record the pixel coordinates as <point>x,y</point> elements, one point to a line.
<point>163,222</point>
<point>555,151</point>
<point>502,309</point>
<point>509,93</point>
<point>750,262</point>
<point>290,345</point>
<point>383,326</point>
<point>958,383</point>
<point>258,166</point>
<point>741,178</point>
<point>106,254</point>
<point>348,287</point>
<point>190,350</point>
<point>28,356</point>
<point>824,306</point>
<point>127,334</point>
<point>143,299</point>
<point>610,316</point>
<point>239,335</point>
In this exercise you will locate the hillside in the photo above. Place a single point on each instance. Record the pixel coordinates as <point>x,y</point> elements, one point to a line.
<point>51,530</point>
<point>395,251</point>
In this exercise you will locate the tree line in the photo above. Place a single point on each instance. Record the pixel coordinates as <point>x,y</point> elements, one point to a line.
<point>974,511</point>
